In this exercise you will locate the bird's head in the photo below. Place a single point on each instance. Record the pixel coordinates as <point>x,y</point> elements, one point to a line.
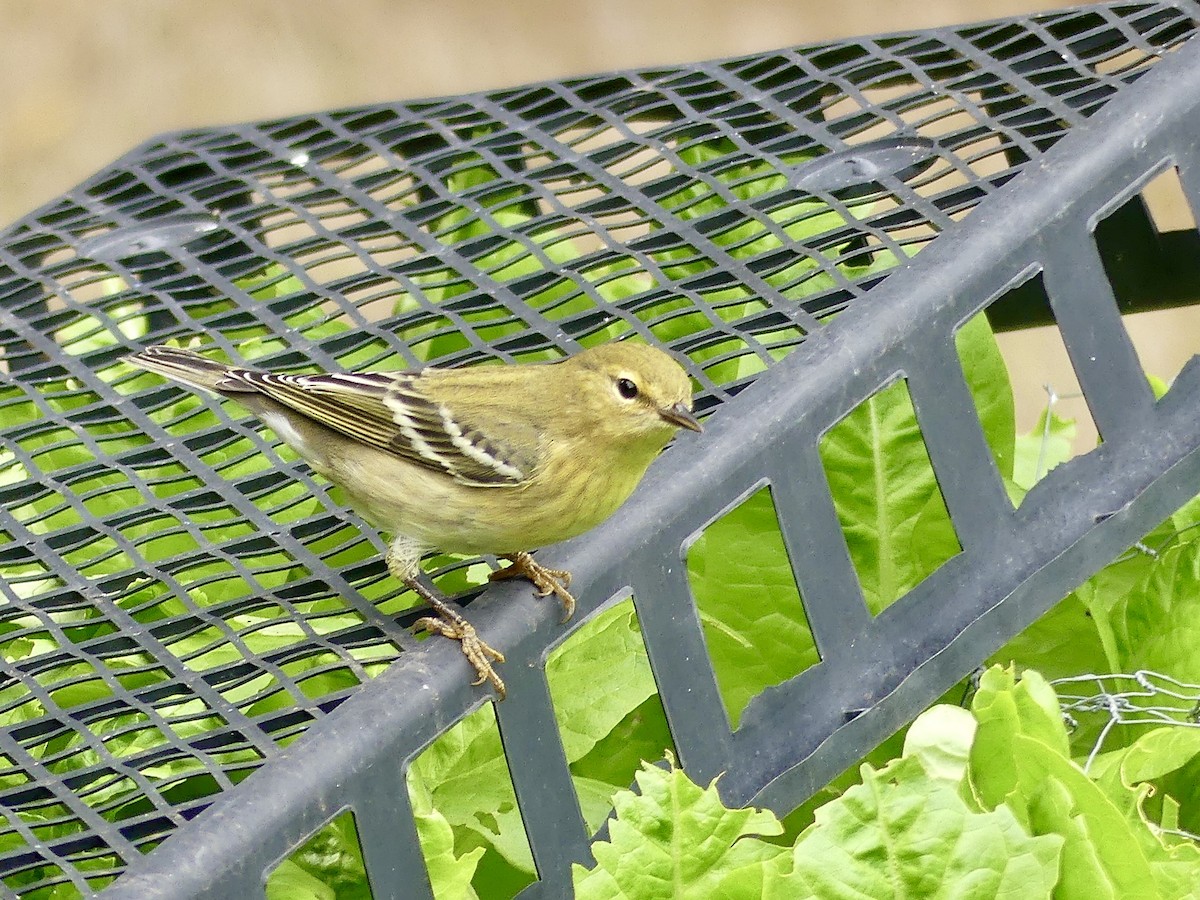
<point>640,391</point>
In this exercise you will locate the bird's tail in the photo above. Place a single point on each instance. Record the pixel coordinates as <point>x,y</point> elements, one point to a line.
<point>184,366</point>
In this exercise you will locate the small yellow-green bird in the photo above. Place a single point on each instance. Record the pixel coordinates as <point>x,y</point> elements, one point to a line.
<point>481,460</point>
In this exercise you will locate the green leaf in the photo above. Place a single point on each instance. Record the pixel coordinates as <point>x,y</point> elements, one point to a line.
<point>1186,519</point>
<point>728,173</point>
<point>1175,802</point>
<point>333,860</point>
<point>595,800</point>
<point>1154,783</point>
<point>291,882</point>
<point>466,777</point>
<point>607,707</point>
<point>1157,624</point>
<point>882,480</point>
<point>753,618</point>
<point>615,759</point>
<point>591,694</point>
<point>904,834</point>
<point>1113,584</point>
<point>1102,856</point>
<point>933,539</point>
<point>1132,775</point>
<point>1158,753</point>
<point>1019,761</point>
<point>450,873</point>
<point>987,378</point>
<point>88,333</point>
<point>1044,448</point>
<point>1064,641</point>
<point>1005,709</point>
<point>940,738</point>
<point>675,839</point>
<point>884,488</point>
<point>804,815</point>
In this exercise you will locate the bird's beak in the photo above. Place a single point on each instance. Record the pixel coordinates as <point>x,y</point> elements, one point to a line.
<point>682,416</point>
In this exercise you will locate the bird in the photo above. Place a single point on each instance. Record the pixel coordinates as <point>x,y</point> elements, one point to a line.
<point>483,460</point>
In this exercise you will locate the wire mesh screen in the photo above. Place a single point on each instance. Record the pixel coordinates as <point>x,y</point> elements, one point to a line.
<point>1127,701</point>
<point>181,598</point>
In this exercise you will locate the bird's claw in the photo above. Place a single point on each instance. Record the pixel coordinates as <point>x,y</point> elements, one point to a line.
<point>477,651</point>
<point>546,581</point>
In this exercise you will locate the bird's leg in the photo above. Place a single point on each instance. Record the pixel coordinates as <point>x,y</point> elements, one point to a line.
<point>452,624</point>
<point>402,562</point>
<point>547,581</point>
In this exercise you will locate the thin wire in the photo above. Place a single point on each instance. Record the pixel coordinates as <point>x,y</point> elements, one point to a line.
<point>1127,700</point>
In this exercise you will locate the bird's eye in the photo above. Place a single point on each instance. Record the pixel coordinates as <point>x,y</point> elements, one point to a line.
<point>626,388</point>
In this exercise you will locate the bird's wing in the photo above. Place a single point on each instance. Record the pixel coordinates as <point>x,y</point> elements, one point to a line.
<point>388,410</point>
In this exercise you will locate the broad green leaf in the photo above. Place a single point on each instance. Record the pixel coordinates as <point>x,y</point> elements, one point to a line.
<point>1176,794</point>
<point>1005,709</point>
<point>1062,642</point>
<point>884,488</point>
<point>987,377</point>
<point>1157,385</point>
<point>1047,446</point>
<point>1019,760</point>
<point>616,758</point>
<point>1164,759</point>
<point>1050,809</point>
<point>591,694</point>
<point>12,470</point>
<point>1157,624</point>
<point>903,834</point>
<point>940,738</point>
<point>607,707</point>
<point>1113,584</point>
<point>1154,783</point>
<point>933,539</point>
<point>88,333</point>
<point>1186,519</point>
<point>461,223</point>
<point>753,618</point>
<point>450,873</point>
<point>291,882</point>
<point>799,221</point>
<point>881,479</point>
<point>1103,853</point>
<point>675,840</point>
<point>595,800</point>
<point>333,860</point>
<point>467,780</point>
<point>748,180</point>
<point>803,816</point>
<point>1158,753</point>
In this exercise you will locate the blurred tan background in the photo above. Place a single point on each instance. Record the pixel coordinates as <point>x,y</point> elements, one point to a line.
<point>83,81</point>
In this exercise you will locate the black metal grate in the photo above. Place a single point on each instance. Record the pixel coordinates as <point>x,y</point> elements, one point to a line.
<point>182,600</point>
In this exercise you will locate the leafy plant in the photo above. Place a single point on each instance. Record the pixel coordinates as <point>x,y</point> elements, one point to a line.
<point>985,803</point>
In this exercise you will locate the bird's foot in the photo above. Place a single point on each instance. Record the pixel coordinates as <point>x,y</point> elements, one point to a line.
<point>547,581</point>
<point>477,651</point>
<point>449,622</point>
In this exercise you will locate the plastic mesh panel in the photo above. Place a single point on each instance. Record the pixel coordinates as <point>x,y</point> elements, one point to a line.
<point>181,598</point>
